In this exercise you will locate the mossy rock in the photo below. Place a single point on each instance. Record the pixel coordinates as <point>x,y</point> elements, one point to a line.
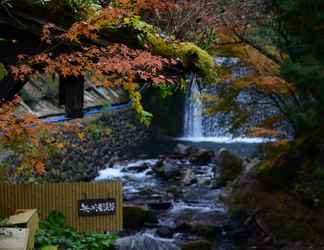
<point>193,58</point>
<point>285,215</point>
<point>230,165</point>
<point>137,216</point>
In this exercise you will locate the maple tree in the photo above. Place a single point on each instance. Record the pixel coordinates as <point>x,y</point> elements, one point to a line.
<point>27,141</point>
<point>83,51</point>
<point>108,65</point>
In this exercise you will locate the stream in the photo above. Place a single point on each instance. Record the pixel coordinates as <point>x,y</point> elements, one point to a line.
<point>169,197</point>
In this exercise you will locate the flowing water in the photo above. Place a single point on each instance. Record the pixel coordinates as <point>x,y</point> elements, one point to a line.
<point>175,201</point>
<point>185,200</point>
<point>193,110</point>
<point>200,127</point>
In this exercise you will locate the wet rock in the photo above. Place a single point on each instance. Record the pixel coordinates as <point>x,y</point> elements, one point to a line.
<point>198,194</point>
<point>138,168</point>
<point>208,231</point>
<point>160,205</point>
<point>167,169</point>
<point>188,178</point>
<point>197,244</point>
<point>230,167</point>
<point>137,216</point>
<point>175,191</point>
<point>183,150</point>
<point>202,157</point>
<point>144,242</point>
<point>164,232</point>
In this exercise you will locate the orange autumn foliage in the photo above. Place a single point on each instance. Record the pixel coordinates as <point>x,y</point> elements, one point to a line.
<point>112,65</point>
<point>27,137</point>
<point>104,64</point>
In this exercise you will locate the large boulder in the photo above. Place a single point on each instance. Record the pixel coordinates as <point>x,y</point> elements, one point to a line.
<point>183,150</point>
<point>230,166</point>
<point>144,242</point>
<point>167,169</point>
<point>202,157</point>
<point>137,216</point>
<point>207,223</point>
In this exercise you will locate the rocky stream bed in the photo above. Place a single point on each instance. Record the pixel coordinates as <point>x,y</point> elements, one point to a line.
<point>174,201</point>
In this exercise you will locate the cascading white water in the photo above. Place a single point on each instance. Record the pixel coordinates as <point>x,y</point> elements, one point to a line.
<point>200,127</point>
<point>193,110</point>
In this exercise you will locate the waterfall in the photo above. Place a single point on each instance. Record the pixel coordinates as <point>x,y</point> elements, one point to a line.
<point>200,127</point>
<point>193,114</point>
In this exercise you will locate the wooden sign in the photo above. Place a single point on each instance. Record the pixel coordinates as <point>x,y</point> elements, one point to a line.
<point>68,199</point>
<point>97,207</point>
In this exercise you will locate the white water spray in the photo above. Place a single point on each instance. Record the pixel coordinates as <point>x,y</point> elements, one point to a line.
<point>193,110</point>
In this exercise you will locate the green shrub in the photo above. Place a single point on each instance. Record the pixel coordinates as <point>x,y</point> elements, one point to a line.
<point>55,232</point>
<point>98,130</point>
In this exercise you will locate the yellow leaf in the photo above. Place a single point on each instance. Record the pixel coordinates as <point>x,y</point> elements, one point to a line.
<point>81,136</point>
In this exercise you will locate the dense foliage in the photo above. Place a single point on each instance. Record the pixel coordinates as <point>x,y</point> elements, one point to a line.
<point>54,231</point>
<point>84,50</point>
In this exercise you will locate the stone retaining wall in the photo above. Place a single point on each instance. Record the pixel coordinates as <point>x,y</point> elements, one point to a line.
<point>100,139</point>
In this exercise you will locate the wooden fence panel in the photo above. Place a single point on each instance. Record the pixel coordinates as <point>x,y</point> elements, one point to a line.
<point>65,197</point>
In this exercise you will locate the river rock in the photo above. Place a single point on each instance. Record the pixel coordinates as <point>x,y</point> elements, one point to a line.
<point>188,177</point>
<point>167,169</point>
<point>144,242</point>
<point>183,150</point>
<point>138,168</point>
<point>199,221</point>
<point>164,232</point>
<point>197,244</point>
<point>205,230</point>
<point>138,216</point>
<point>202,157</point>
<point>230,167</point>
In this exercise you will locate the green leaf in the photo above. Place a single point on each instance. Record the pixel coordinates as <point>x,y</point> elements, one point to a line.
<point>49,248</point>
